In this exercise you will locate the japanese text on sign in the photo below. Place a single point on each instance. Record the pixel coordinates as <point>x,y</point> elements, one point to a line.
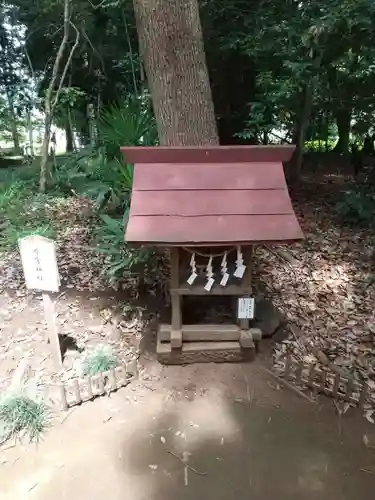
<point>246,308</point>
<point>38,257</point>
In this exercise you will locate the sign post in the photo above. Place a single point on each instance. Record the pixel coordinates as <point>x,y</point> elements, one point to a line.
<point>39,264</point>
<point>246,308</point>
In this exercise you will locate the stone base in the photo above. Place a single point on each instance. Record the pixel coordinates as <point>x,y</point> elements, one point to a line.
<point>203,352</point>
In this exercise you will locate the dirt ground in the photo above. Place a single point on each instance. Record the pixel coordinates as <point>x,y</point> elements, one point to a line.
<point>245,436</point>
<point>240,433</point>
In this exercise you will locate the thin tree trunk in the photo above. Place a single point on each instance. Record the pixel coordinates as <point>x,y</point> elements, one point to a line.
<point>171,42</point>
<point>343,117</point>
<point>69,137</point>
<point>303,120</point>
<point>92,124</point>
<point>45,151</point>
<point>300,132</point>
<point>15,136</point>
<point>30,132</point>
<point>50,102</point>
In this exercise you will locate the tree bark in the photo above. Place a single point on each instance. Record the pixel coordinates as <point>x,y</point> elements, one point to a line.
<point>13,124</point>
<point>343,117</point>
<point>171,44</point>
<point>50,102</point>
<point>304,117</point>
<point>44,151</point>
<point>300,132</point>
<point>30,132</point>
<point>69,137</point>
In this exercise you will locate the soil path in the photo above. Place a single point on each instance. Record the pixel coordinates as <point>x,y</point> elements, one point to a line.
<point>249,437</point>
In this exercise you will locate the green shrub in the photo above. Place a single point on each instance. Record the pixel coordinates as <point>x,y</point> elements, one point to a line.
<point>357,207</point>
<point>100,359</point>
<point>22,212</point>
<point>19,413</point>
<point>315,146</point>
<point>128,124</point>
<point>121,259</point>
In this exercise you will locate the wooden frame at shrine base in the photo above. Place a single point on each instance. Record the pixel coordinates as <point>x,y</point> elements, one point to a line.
<point>178,343</point>
<point>199,198</point>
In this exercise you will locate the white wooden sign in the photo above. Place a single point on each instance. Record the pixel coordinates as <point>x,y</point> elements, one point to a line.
<point>39,264</point>
<point>246,306</point>
<point>38,255</point>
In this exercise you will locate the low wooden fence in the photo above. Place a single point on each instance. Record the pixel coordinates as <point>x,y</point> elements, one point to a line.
<point>304,376</point>
<point>79,390</point>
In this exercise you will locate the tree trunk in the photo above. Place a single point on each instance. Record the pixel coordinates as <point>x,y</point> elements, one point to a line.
<point>343,117</point>
<point>304,117</point>
<point>92,124</point>
<point>44,152</point>
<point>69,137</point>
<point>30,133</point>
<point>300,132</point>
<point>15,136</point>
<point>171,44</point>
<point>50,102</point>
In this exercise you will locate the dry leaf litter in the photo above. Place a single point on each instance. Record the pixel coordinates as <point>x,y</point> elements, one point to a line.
<point>87,311</point>
<point>325,287</point>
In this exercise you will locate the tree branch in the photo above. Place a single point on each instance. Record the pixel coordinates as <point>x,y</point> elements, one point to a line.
<point>67,64</point>
<point>59,56</point>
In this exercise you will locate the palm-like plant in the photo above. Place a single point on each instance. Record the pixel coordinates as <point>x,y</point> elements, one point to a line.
<point>127,124</point>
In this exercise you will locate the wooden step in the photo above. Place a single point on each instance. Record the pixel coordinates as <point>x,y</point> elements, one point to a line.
<point>203,352</point>
<point>208,333</point>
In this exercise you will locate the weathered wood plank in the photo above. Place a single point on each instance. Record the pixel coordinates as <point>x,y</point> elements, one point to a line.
<point>202,352</point>
<point>237,290</point>
<point>120,373</point>
<point>199,154</point>
<point>196,333</point>
<point>246,339</point>
<point>112,380</point>
<point>62,396</point>
<point>76,391</point>
<point>211,176</point>
<point>246,283</point>
<point>192,347</point>
<point>176,339</point>
<point>176,333</point>
<point>194,203</point>
<point>208,333</point>
<point>208,229</point>
<point>53,334</point>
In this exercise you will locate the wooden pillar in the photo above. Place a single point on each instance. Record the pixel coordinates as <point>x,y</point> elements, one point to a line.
<point>246,338</point>
<point>176,326</point>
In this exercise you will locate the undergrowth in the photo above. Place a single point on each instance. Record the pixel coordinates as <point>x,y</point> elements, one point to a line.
<point>100,359</point>
<point>357,207</point>
<point>98,174</point>
<point>21,414</point>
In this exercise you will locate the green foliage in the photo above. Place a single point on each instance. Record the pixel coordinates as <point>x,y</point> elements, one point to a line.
<point>128,124</point>
<point>98,360</point>
<point>121,259</point>
<point>22,212</point>
<point>357,207</point>
<point>19,413</point>
<point>316,146</point>
<point>101,173</point>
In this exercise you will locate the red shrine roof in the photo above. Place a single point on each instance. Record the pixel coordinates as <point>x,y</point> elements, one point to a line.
<point>213,195</point>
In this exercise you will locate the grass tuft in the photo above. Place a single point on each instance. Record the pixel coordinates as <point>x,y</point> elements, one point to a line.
<point>19,413</point>
<point>100,359</point>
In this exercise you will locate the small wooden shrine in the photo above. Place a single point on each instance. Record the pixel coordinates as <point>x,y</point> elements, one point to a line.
<point>210,206</point>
